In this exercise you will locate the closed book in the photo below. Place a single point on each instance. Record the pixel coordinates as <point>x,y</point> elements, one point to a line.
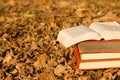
<point>95,54</point>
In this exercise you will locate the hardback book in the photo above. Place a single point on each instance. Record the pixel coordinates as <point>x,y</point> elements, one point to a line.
<point>96,31</point>
<point>97,46</point>
<point>100,57</point>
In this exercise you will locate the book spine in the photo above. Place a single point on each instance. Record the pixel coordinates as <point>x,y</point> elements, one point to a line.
<point>77,55</point>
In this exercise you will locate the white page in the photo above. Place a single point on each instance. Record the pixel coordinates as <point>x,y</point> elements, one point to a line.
<point>96,56</point>
<point>99,65</point>
<point>71,36</point>
<point>108,30</point>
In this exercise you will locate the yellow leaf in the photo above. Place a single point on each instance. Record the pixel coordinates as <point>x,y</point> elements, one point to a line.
<point>28,15</point>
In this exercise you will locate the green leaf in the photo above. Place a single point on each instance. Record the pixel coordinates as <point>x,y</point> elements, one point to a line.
<point>99,72</point>
<point>88,1</point>
<point>113,8</point>
<point>46,1</point>
<point>96,5</point>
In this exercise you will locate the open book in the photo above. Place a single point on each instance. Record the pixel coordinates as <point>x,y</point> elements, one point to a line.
<point>96,31</point>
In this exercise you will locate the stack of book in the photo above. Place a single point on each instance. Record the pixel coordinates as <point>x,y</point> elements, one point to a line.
<point>98,54</point>
<point>98,46</point>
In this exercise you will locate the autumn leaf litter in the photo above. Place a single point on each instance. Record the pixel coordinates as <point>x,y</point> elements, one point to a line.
<point>28,33</point>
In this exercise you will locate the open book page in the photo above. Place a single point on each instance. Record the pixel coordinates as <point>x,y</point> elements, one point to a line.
<point>71,36</point>
<point>108,30</point>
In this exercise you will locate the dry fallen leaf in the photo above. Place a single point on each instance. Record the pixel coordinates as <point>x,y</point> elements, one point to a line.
<point>27,39</point>
<point>46,75</point>
<point>64,3</point>
<point>80,12</point>
<point>8,56</point>
<point>33,45</point>
<point>102,79</point>
<point>20,67</point>
<point>12,2</point>
<point>28,33</point>
<point>41,61</point>
<point>59,70</point>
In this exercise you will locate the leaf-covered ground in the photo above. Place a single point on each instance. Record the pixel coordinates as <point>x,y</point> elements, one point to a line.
<point>28,32</point>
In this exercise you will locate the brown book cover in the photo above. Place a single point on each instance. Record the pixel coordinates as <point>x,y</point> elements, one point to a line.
<point>99,46</point>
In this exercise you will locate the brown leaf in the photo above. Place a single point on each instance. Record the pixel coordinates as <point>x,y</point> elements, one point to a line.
<point>33,45</point>
<point>80,12</point>
<point>47,75</point>
<point>27,39</point>
<point>20,68</point>
<point>59,70</point>
<point>64,3</point>
<point>8,56</point>
<point>41,61</point>
<point>12,2</point>
<point>2,19</point>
